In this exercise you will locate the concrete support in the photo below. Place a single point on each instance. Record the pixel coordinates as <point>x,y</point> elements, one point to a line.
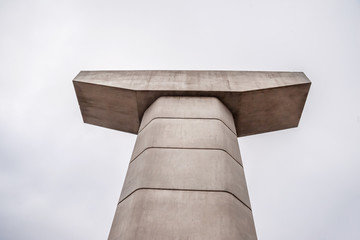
<point>185,178</point>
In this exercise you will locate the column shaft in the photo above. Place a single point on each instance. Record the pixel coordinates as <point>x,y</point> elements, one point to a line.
<point>185,178</point>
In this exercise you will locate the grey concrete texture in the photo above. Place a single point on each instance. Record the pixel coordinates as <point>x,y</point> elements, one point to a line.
<point>149,80</point>
<point>186,169</point>
<point>187,133</point>
<point>108,107</point>
<point>188,107</point>
<point>259,101</point>
<point>185,178</point>
<point>191,215</point>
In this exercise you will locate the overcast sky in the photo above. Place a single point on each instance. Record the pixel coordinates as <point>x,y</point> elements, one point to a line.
<point>60,179</point>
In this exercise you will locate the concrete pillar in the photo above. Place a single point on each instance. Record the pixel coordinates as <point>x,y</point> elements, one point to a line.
<point>185,178</point>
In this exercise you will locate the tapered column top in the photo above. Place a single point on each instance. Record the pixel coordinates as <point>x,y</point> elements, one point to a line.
<point>259,101</point>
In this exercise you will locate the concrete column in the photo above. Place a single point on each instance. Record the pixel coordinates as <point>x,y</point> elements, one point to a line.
<point>185,178</point>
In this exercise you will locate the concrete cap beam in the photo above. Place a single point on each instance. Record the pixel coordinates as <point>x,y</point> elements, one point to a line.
<point>259,101</point>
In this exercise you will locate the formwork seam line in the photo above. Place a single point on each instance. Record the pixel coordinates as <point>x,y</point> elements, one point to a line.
<point>185,190</point>
<point>186,118</point>
<point>186,148</point>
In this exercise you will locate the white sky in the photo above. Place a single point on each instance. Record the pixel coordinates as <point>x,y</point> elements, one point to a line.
<point>61,179</point>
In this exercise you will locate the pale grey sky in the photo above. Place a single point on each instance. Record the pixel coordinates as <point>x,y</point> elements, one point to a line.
<point>60,179</point>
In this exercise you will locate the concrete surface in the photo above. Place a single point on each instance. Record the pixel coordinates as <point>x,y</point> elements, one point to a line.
<point>259,101</point>
<point>187,133</point>
<point>180,169</point>
<point>185,178</point>
<point>190,215</point>
<point>188,107</point>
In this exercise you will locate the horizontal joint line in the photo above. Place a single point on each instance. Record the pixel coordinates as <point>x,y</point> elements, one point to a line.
<point>219,149</point>
<point>186,118</point>
<point>184,190</point>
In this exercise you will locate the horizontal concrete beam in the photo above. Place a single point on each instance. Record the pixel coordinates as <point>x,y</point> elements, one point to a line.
<point>259,101</point>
